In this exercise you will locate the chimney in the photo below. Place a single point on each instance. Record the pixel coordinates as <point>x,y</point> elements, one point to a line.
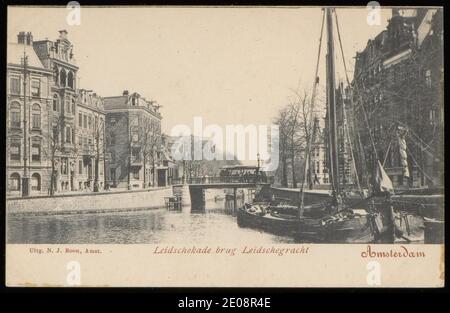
<point>63,34</point>
<point>125,93</point>
<point>29,39</point>
<point>21,38</point>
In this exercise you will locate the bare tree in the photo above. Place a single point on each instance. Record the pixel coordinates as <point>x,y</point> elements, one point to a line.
<point>55,147</point>
<point>98,148</point>
<point>150,141</point>
<point>293,121</point>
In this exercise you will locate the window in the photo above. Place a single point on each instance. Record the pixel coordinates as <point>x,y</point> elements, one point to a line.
<point>428,78</point>
<point>136,173</point>
<point>133,101</point>
<point>73,106</point>
<point>84,121</point>
<point>35,88</point>
<point>15,115</point>
<point>36,116</point>
<point>68,135</point>
<point>36,151</point>
<point>134,136</point>
<point>70,80</point>
<point>112,139</point>
<point>14,182</point>
<point>90,122</point>
<point>56,73</point>
<point>135,153</point>
<point>55,103</point>
<point>64,166</point>
<point>15,150</point>
<point>36,182</point>
<point>14,85</point>
<point>62,78</point>
<point>80,167</point>
<point>80,120</point>
<point>67,106</point>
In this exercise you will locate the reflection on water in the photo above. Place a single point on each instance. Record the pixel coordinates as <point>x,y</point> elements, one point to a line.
<point>215,225</point>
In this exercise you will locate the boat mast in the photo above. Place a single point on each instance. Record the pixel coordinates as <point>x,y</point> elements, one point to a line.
<point>331,97</point>
<point>311,126</point>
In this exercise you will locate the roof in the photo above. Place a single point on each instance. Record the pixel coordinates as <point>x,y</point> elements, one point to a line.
<point>15,54</point>
<point>115,102</point>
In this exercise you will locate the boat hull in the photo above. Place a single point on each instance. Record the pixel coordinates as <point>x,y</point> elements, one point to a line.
<point>356,230</point>
<point>279,226</point>
<point>308,229</point>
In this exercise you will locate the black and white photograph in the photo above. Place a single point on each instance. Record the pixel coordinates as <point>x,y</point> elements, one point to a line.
<point>243,130</point>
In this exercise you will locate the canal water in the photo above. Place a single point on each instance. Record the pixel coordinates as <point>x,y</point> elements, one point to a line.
<point>215,225</point>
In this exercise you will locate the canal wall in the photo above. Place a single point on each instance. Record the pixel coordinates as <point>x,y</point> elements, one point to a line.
<point>90,203</point>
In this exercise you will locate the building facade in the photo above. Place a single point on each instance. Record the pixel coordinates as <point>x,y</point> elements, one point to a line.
<point>64,148</point>
<point>57,56</point>
<point>133,142</point>
<point>29,101</point>
<point>398,86</point>
<point>90,141</point>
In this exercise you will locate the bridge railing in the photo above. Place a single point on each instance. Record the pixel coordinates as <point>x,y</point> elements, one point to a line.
<point>222,179</point>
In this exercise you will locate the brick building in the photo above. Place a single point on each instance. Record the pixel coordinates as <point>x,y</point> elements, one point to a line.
<point>90,140</point>
<point>133,140</point>
<point>65,125</point>
<point>399,80</point>
<point>57,56</point>
<point>36,111</point>
<point>320,174</point>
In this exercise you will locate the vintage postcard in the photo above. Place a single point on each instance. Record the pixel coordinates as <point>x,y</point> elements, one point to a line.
<point>157,146</point>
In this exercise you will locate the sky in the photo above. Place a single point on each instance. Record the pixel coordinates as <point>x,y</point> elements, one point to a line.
<point>227,65</point>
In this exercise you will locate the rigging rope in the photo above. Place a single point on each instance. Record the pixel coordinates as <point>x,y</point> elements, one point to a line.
<point>311,122</point>
<point>343,106</point>
<point>419,167</point>
<point>353,157</point>
<point>348,82</point>
<point>387,152</point>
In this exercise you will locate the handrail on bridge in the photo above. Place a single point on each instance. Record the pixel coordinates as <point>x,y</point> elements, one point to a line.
<point>252,179</point>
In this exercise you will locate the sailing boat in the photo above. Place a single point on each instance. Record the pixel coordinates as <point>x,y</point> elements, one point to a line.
<point>305,220</point>
<point>343,218</point>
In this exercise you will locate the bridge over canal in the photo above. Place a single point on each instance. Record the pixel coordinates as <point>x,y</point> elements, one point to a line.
<point>193,191</point>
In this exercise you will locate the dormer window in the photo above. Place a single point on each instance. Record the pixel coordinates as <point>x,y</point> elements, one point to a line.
<point>133,101</point>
